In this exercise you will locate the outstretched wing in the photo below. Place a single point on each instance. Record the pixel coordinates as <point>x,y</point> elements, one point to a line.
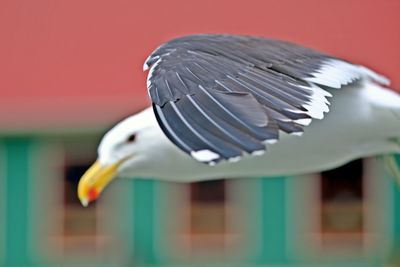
<point>220,96</point>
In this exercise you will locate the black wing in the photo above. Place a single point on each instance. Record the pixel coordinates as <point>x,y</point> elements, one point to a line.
<point>218,96</point>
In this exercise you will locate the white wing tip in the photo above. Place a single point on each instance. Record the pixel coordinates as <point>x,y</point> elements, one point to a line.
<point>204,155</point>
<point>258,153</point>
<point>374,76</point>
<point>235,159</point>
<point>334,73</point>
<point>297,133</point>
<point>150,74</point>
<point>304,122</point>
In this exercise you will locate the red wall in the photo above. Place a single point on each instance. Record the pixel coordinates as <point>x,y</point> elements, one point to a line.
<point>78,63</point>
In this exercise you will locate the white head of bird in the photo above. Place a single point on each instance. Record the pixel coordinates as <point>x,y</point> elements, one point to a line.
<point>127,145</point>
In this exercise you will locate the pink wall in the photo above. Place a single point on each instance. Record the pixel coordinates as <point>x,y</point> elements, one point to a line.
<point>79,63</point>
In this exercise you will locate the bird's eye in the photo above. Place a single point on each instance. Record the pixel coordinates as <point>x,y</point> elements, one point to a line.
<point>131,138</point>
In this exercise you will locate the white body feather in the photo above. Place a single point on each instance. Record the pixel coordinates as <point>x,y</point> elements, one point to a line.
<point>363,120</point>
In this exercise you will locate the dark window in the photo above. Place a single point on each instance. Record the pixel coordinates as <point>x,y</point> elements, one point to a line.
<point>342,200</point>
<point>208,206</point>
<point>208,192</point>
<point>79,223</point>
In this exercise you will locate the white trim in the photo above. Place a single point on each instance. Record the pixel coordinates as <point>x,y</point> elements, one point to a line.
<point>173,199</point>
<point>247,192</point>
<point>301,191</point>
<point>45,205</point>
<point>110,213</point>
<point>380,198</point>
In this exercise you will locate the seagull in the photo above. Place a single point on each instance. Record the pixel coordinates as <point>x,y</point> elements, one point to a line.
<point>226,106</point>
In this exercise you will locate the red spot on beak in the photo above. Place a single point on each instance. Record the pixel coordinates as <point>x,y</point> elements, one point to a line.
<point>93,194</point>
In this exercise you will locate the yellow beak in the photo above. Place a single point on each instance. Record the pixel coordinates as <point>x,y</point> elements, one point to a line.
<point>95,179</point>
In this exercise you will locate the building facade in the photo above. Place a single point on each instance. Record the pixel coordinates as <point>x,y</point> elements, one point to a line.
<point>349,216</point>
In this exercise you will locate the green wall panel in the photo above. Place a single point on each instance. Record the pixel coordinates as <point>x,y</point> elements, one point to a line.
<point>397,214</point>
<point>396,206</point>
<point>273,217</point>
<point>3,197</point>
<point>143,222</point>
<point>396,224</point>
<point>17,151</point>
<point>395,257</point>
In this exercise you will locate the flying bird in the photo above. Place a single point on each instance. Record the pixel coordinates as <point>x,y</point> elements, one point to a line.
<point>243,106</point>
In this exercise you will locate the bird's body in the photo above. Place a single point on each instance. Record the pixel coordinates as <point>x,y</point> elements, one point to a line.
<point>364,120</point>
<point>227,106</point>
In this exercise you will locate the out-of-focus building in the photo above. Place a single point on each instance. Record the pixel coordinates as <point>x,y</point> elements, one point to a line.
<point>70,69</point>
<point>349,216</point>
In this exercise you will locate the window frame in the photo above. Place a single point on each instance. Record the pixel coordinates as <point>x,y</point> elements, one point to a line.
<point>307,245</point>
<point>359,235</point>
<point>175,198</point>
<point>47,208</point>
<point>209,239</point>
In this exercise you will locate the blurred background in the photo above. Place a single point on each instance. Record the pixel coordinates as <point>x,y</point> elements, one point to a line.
<point>70,69</point>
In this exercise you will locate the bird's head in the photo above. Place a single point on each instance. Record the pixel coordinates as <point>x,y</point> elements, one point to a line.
<point>124,145</point>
